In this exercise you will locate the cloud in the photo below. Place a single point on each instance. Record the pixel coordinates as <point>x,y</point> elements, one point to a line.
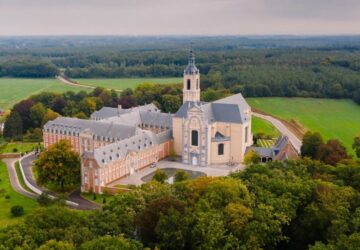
<point>153,17</point>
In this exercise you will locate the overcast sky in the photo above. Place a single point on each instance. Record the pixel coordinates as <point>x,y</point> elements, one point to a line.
<point>178,17</point>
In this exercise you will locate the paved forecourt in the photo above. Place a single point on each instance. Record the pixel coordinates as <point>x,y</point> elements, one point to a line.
<point>214,170</point>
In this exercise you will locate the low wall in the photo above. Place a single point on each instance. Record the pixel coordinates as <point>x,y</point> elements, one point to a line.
<point>10,155</point>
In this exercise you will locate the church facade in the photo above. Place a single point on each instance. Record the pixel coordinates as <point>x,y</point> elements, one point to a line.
<point>118,142</point>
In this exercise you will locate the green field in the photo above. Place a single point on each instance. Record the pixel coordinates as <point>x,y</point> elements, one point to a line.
<point>339,119</point>
<point>14,90</point>
<point>123,83</point>
<point>21,147</point>
<point>13,199</point>
<point>264,127</point>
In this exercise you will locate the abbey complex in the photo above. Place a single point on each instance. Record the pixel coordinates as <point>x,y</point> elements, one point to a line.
<point>118,142</point>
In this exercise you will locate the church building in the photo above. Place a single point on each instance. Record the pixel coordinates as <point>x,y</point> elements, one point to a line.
<point>118,142</point>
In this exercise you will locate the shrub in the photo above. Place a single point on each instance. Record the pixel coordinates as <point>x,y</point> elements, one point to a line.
<point>104,200</point>
<point>160,176</point>
<point>15,150</point>
<point>7,197</point>
<point>17,211</point>
<point>44,199</point>
<point>181,175</point>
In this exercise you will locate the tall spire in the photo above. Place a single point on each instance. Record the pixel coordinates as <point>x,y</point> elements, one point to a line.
<point>191,58</point>
<point>191,68</point>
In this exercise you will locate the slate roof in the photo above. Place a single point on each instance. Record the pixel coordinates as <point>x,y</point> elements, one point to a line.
<point>107,112</point>
<point>231,109</point>
<point>101,130</point>
<point>138,117</point>
<point>142,140</point>
<point>272,152</point>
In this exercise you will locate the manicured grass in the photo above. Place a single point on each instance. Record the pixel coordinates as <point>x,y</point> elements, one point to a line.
<point>14,90</point>
<point>123,83</point>
<point>99,198</point>
<point>262,126</point>
<point>21,177</point>
<point>339,119</point>
<point>22,147</point>
<point>265,143</point>
<point>13,200</point>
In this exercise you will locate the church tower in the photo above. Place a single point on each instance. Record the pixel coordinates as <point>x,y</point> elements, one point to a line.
<point>191,90</point>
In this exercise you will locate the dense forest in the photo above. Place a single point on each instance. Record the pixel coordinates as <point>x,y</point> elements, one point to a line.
<point>256,66</point>
<point>295,205</point>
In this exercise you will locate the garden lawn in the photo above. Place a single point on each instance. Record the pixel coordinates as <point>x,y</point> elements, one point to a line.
<point>339,119</point>
<point>262,126</point>
<point>123,83</point>
<point>14,199</point>
<point>99,198</point>
<point>14,90</point>
<point>22,147</point>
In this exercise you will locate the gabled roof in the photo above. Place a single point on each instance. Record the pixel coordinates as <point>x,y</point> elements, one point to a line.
<point>231,109</point>
<point>142,140</point>
<point>107,112</point>
<point>102,129</point>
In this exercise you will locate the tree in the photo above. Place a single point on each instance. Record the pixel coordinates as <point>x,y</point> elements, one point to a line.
<point>57,245</point>
<point>170,103</point>
<point>181,175</point>
<point>311,145</point>
<point>252,157</point>
<point>356,146</point>
<point>37,115</point>
<point>332,152</point>
<point>59,165</point>
<point>109,242</point>
<point>49,116</point>
<point>13,127</point>
<point>160,176</point>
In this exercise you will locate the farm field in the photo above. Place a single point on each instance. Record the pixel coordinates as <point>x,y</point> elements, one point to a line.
<point>339,119</point>
<point>123,83</point>
<point>14,90</point>
<point>9,198</point>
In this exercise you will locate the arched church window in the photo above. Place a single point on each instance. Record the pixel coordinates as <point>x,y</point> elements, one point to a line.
<point>194,138</point>
<point>197,83</point>
<point>188,84</point>
<point>221,149</point>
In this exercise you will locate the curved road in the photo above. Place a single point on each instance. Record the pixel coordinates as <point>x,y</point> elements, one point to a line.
<point>296,142</point>
<point>14,181</point>
<point>27,164</point>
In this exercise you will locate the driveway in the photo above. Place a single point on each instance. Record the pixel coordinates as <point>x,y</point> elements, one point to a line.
<point>83,204</point>
<point>296,142</point>
<point>213,170</point>
<point>14,181</point>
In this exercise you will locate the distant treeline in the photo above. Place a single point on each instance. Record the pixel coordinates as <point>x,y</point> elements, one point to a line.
<point>257,67</point>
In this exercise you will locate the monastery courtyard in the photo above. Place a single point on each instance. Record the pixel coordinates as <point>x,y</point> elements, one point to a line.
<point>213,170</point>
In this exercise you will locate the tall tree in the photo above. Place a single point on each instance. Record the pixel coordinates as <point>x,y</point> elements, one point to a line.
<point>59,165</point>
<point>356,146</point>
<point>311,145</point>
<point>332,152</point>
<point>37,114</point>
<point>13,127</point>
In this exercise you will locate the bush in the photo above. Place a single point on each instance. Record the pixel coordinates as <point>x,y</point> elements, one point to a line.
<point>17,211</point>
<point>181,175</point>
<point>15,150</point>
<point>44,199</point>
<point>160,176</point>
<point>7,197</point>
